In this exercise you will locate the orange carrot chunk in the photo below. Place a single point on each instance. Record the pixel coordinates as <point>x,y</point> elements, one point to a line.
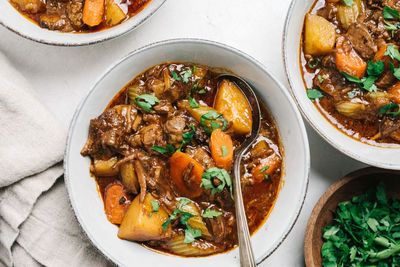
<point>116,201</point>
<point>186,174</point>
<point>93,12</point>
<point>221,147</point>
<point>394,90</point>
<point>266,167</point>
<point>349,61</point>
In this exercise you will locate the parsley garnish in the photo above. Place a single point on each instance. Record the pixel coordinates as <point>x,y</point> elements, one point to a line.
<point>162,150</point>
<point>186,75</point>
<point>352,94</point>
<point>224,151</point>
<point>313,94</point>
<point>190,233</point>
<point>187,136</point>
<point>148,102</point>
<point>392,106</point>
<point>320,79</point>
<point>201,91</point>
<point>375,68</point>
<point>156,206</point>
<point>213,117</point>
<point>313,63</point>
<point>222,175</point>
<point>392,52</point>
<point>390,13</point>
<point>348,2</point>
<point>176,77</point>
<point>365,232</point>
<point>392,27</point>
<point>192,102</point>
<point>209,213</point>
<point>366,83</point>
<point>264,169</point>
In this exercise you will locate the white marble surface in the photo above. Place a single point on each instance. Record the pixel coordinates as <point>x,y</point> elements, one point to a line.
<point>62,76</point>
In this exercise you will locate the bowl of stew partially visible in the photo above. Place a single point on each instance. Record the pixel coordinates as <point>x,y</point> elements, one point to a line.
<point>75,22</point>
<point>341,62</point>
<point>150,150</point>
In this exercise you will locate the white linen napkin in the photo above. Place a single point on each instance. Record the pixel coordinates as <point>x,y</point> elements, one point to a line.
<point>37,225</point>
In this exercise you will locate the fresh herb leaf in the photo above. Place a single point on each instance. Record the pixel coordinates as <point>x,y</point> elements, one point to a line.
<point>188,136</point>
<point>155,205</point>
<point>176,77</point>
<point>350,77</point>
<point>313,63</point>
<point>191,234</point>
<point>386,109</point>
<point>352,94</point>
<point>367,83</point>
<point>183,202</point>
<point>390,13</point>
<point>266,176</point>
<point>162,150</point>
<point>224,151</point>
<point>194,68</point>
<point>146,102</point>
<point>201,91</point>
<point>264,169</point>
<point>348,2</point>
<point>313,94</point>
<point>186,75</point>
<point>375,68</point>
<point>222,175</point>
<point>192,102</point>
<point>392,27</point>
<point>320,79</point>
<point>171,217</point>
<point>215,120</point>
<point>392,52</point>
<point>209,213</point>
<point>395,71</point>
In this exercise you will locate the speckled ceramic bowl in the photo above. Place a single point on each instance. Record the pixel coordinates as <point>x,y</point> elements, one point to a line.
<point>82,190</point>
<point>14,21</point>
<point>383,157</point>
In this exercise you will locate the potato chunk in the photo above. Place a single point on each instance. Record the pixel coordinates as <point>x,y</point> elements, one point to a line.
<point>114,13</point>
<point>232,103</point>
<point>348,15</point>
<point>138,225</point>
<point>129,178</point>
<point>105,167</point>
<point>319,36</point>
<point>30,6</point>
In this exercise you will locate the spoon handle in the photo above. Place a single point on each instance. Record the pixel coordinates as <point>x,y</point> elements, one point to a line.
<point>245,250</point>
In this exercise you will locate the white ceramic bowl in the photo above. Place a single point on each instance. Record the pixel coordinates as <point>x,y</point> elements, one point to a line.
<point>387,158</point>
<point>14,21</point>
<point>88,205</point>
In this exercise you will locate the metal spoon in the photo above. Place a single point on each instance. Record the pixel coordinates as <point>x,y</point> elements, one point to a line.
<point>245,249</point>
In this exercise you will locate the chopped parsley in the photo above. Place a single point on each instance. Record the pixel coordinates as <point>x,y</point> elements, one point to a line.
<point>190,233</point>
<point>390,13</point>
<point>375,68</point>
<point>187,136</point>
<point>186,75</point>
<point>352,94</point>
<point>392,27</point>
<point>365,232</point>
<point>224,151</point>
<point>162,150</point>
<point>320,79</point>
<point>348,2</point>
<point>215,120</point>
<point>155,205</point>
<point>366,83</point>
<point>176,77</point>
<point>192,102</point>
<point>201,91</point>
<point>146,102</point>
<point>389,109</point>
<point>222,175</point>
<point>264,169</point>
<point>313,94</point>
<point>392,52</point>
<point>209,213</point>
<point>313,63</point>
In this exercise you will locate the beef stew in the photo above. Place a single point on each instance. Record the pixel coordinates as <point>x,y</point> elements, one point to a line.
<point>162,153</point>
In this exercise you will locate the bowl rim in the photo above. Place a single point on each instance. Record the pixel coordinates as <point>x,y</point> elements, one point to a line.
<point>305,142</point>
<point>110,36</point>
<point>331,190</point>
<point>326,137</point>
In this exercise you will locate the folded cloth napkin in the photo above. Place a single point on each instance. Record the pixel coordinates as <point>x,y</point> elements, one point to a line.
<point>37,225</point>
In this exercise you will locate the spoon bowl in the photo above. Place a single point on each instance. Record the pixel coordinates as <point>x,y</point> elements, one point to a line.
<point>245,249</point>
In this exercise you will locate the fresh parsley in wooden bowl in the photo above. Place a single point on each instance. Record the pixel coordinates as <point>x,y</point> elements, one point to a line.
<point>356,222</point>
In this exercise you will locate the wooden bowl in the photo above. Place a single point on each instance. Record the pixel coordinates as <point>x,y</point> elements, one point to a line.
<point>353,184</point>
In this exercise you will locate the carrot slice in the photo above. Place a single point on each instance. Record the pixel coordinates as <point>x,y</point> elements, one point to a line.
<point>188,185</point>
<point>394,90</point>
<point>380,55</point>
<point>267,166</point>
<point>93,12</point>
<point>221,147</point>
<point>349,61</point>
<point>116,202</point>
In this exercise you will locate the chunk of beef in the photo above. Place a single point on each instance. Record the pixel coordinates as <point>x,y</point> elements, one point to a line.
<point>164,108</point>
<point>174,128</point>
<point>106,132</point>
<point>55,22</point>
<point>152,135</point>
<point>74,13</point>
<point>30,6</point>
<point>329,80</point>
<point>201,156</point>
<point>388,126</point>
<point>362,40</point>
